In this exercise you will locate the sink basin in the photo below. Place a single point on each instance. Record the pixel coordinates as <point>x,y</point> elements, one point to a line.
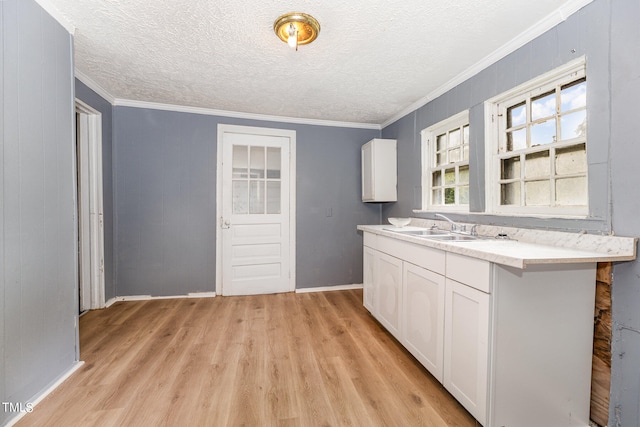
<point>455,237</point>
<point>422,233</point>
<point>441,235</point>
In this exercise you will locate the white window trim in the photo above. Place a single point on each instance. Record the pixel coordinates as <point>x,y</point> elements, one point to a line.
<point>539,84</point>
<point>427,137</point>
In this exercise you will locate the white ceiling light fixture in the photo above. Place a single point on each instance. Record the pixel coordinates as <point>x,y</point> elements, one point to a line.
<point>296,28</point>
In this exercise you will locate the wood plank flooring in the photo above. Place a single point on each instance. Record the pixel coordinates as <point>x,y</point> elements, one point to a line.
<point>308,359</point>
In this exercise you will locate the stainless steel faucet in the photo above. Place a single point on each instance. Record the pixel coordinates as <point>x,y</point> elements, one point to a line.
<point>459,228</point>
<point>454,225</point>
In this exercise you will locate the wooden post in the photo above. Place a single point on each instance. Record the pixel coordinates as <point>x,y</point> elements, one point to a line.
<point>601,370</point>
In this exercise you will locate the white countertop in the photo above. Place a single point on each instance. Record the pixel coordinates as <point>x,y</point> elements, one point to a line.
<point>558,247</point>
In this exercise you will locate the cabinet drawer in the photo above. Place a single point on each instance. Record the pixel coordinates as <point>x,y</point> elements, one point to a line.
<point>370,240</point>
<point>422,256</point>
<point>470,271</point>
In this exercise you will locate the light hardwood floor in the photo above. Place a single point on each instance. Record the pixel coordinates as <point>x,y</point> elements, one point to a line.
<point>309,359</point>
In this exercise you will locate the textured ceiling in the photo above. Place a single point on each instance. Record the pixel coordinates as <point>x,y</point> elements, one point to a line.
<point>371,61</point>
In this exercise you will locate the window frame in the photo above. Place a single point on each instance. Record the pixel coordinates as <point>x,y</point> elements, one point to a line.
<point>429,147</point>
<point>495,138</point>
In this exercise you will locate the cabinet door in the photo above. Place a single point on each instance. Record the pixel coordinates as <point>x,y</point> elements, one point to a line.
<point>367,172</point>
<point>423,317</point>
<point>369,265</point>
<point>466,347</point>
<point>388,292</point>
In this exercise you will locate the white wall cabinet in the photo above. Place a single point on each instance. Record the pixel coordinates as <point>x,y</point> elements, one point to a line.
<point>379,171</point>
<point>513,346</point>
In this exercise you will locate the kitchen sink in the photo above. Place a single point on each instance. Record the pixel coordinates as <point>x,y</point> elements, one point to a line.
<point>422,233</point>
<point>455,237</point>
<point>441,235</point>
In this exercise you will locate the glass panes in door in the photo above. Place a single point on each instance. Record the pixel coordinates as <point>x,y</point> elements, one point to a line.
<point>256,187</point>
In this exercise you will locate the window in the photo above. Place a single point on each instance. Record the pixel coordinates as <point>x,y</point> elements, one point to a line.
<point>538,160</point>
<point>445,170</point>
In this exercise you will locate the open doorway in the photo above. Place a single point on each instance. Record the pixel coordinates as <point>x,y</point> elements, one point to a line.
<point>90,211</point>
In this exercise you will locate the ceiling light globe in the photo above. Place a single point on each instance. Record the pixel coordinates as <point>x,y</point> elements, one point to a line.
<point>296,28</point>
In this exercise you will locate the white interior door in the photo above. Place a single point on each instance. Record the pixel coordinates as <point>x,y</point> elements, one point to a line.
<point>90,207</point>
<point>255,221</point>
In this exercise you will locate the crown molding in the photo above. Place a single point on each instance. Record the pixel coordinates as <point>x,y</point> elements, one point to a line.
<point>94,86</point>
<point>120,102</point>
<point>239,115</point>
<point>57,15</point>
<point>536,30</point>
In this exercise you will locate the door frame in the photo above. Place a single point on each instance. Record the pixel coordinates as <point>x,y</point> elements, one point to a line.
<point>252,130</point>
<point>91,243</point>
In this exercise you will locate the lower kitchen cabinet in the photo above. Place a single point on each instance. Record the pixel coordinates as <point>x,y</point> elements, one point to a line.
<point>368,290</point>
<point>423,316</point>
<point>513,346</point>
<point>388,292</point>
<point>466,346</point>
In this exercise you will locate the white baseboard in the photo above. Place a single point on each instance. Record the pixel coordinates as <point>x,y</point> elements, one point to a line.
<point>40,396</point>
<point>149,297</point>
<point>329,288</point>
<point>110,302</point>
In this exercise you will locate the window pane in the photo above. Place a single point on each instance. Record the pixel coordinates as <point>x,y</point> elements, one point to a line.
<point>450,176</point>
<point>516,115</point>
<point>257,162</point>
<point>239,161</point>
<point>543,133</point>
<point>511,168</point>
<point>436,196</point>
<point>273,162</point>
<point>436,179</point>
<point>454,138</point>
<point>571,191</point>
<point>463,175</point>
<point>573,95</point>
<point>517,140</point>
<point>464,195</point>
<point>547,127</point>
<point>449,161</point>
<point>273,197</point>
<point>571,160</point>
<point>537,193</point>
<point>543,106</point>
<point>537,165</point>
<point>574,125</point>
<point>256,197</point>
<point>240,197</point>
<point>454,155</point>
<point>449,196</point>
<point>510,194</point>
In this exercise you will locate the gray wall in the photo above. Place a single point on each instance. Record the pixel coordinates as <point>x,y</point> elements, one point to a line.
<point>38,280</point>
<point>625,184</point>
<point>607,33</point>
<point>164,168</point>
<point>89,97</point>
<point>583,33</point>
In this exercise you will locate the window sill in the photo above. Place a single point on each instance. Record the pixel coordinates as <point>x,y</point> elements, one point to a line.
<point>510,214</point>
<point>441,209</point>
